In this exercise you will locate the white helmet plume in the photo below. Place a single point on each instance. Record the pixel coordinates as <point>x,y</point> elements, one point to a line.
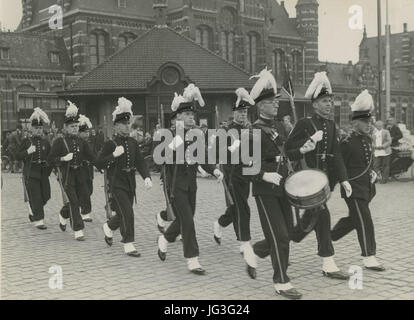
<point>72,110</point>
<point>39,115</point>
<point>243,95</point>
<point>266,80</point>
<point>83,120</point>
<point>319,82</point>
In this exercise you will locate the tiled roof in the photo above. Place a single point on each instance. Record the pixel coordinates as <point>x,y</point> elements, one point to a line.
<point>32,52</point>
<point>282,24</point>
<point>136,65</point>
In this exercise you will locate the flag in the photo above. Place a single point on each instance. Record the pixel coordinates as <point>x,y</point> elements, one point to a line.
<point>287,84</point>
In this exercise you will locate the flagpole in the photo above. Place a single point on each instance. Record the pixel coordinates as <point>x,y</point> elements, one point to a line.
<point>387,67</point>
<point>379,59</point>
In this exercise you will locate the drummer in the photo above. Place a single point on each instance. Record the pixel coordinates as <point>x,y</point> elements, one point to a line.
<point>315,140</point>
<point>358,155</point>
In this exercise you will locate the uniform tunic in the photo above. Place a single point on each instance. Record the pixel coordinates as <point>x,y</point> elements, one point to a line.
<point>74,181</point>
<point>357,153</point>
<point>122,184</point>
<point>36,172</point>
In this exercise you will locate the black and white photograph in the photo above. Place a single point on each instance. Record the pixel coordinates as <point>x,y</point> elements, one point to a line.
<point>227,151</point>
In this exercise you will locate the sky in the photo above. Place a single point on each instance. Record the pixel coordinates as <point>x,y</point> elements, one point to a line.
<point>337,41</point>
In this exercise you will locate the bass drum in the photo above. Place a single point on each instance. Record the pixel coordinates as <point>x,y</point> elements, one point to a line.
<point>307,189</point>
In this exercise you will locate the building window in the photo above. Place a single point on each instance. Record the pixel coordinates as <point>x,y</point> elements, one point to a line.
<point>295,66</point>
<point>4,54</point>
<point>125,39</point>
<point>278,64</point>
<point>204,37</point>
<point>227,45</point>
<point>97,47</point>
<point>122,4</point>
<point>252,41</point>
<point>54,57</point>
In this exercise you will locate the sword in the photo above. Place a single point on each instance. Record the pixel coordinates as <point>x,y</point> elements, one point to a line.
<point>65,198</point>
<point>107,196</point>
<point>26,195</point>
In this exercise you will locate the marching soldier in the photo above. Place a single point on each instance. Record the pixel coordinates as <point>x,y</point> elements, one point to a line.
<point>87,172</point>
<point>121,157</point>
<point>239,186</point>
<point>315,140</point>
<point>357,153</point>
<point>68,154</point>
<point>87,168</point>
<point>34,151</point>
<point>272,204</point>
<point>181,177</point>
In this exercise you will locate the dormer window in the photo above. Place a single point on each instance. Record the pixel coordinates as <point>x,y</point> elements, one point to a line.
<point>122,4</point>
<point>4,54</point>
<point>54,58</point>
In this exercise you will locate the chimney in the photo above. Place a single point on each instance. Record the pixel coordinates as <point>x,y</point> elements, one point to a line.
<point>405,27</point>
<point>160,10</point>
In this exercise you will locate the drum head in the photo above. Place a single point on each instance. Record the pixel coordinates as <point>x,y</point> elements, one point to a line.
<point>306,183</point>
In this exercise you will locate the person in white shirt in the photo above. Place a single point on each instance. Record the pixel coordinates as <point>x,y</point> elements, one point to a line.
<point>382,145</point>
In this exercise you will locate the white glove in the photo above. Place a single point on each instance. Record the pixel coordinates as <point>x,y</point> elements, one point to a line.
<point>203,173</point>
<point>234,146</point>
<point>67,158</point>
<point>374,177</point>
<point>148,183</point>
<point>219,175</point>
<point>348,188</point>
<point>308,147</point>
<point>177,141</point>
<point>31,149</point>
<point>272,177</point>
<point>119,150</point>
<point>317,136</point>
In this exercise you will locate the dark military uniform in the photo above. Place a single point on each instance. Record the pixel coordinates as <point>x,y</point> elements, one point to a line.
<point>274,209</point>
<point>326,157</point>
<point>87,170</point>
<point>239,188</point>
<point>74,180</point>
<point>36,174</point>
<point>357,153</point>
<point>182,183</point>
<point>122,184</point>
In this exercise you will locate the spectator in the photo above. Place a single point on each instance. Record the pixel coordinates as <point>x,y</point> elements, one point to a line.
<point>146,145</point>
<point>382,146</point>
<point>13,142</point>
<point>287,123</point>
<point>100,140</point>
<point>395,132</point>
<point>137,133</point>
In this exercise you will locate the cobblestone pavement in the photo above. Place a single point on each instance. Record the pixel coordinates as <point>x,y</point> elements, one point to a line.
<point>91,270</point>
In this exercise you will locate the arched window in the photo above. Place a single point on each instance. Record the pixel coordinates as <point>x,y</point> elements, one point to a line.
<point>252,42</point>
<point>227,35</point>
<point>97,47</point>
<point>125,39</point>
<point>227,45</point>
<point>278,64</point>
<point>204,36</point>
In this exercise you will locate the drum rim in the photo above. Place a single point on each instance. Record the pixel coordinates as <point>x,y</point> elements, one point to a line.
<point>308,169</point>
